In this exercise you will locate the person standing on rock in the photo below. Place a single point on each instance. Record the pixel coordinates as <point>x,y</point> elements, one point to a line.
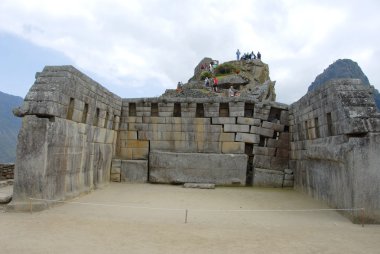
<point>258,55</point>
<point>179,87</point>
<point>238,55</point>
<point>231,92</point>
<point>211,68</point>
<point>207,82</point>
<point>215,85</point>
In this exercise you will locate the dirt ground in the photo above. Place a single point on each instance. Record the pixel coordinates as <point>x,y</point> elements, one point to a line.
<point>127,218</point>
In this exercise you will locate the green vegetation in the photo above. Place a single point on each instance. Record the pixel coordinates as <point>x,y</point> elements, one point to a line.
<point>205,74</point>
<point>226,68</point>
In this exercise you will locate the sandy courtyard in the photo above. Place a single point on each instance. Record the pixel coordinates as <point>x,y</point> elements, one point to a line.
<point>132,221</point>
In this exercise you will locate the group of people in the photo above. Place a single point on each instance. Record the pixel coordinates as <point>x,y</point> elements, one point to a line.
<point>214,84</point>
<point>210,67</point>
<point>247,56</point>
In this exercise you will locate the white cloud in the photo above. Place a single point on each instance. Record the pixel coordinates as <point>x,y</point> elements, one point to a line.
<point>130,44</point>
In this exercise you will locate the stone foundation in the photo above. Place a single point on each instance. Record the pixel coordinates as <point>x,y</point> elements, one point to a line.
<point>220,169</point>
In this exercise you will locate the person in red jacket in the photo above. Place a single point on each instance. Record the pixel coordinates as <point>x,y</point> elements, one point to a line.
<point>215,85</point>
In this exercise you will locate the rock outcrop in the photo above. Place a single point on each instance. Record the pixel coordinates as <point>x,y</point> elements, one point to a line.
<point>249,77</point>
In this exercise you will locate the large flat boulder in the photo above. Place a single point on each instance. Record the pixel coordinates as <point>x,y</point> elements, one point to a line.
<point>220,169</point>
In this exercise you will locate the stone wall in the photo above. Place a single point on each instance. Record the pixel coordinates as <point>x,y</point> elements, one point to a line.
<point>6,171</point>
<point>212,126</point>
<point>335,147</point>
<point>177,168</point>
<point>68,137</point>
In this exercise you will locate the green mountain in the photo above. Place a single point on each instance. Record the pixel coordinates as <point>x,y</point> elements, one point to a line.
<point>343,68</point>
<point>9,127</point>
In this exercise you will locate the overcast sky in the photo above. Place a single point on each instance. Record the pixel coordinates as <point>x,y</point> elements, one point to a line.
<point>140,48</point>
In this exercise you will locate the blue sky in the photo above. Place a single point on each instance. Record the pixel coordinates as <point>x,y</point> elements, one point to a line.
<point>139,48</point>
<point>20,60</point>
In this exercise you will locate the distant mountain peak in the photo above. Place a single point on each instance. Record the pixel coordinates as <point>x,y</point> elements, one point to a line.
<point>341,68</point>
<point>9,127</point>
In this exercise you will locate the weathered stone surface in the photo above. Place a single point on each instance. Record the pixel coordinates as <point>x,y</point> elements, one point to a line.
<point>5,198</point>
<point>288,177</point>
<point>134,171</point>
<point>332,161</point>
<point>249,121</point>
<point>236,128</point>
<point>70,136</point>
<point>232,80</point>
<point>288,171</point>
<point>264,151</point>
<point>262,131</point>
<point>247,138</point>
<point>267,178</point>
<point>262,161</point>
<point>62,150</point>
<point>199,185</point>
<point>115,177</point>
<point>273,126</point>
<point>233,147</point>
<point>288,184</point>
<point>168,167</point>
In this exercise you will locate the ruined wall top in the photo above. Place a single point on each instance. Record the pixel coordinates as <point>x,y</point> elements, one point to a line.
<point>65,92</point>
<point>340,106</point>
<point>205,100</point>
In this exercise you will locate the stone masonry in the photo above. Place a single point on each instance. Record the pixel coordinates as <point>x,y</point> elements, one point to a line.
<point>6,171</point>
<point>335,147</point>
<point>77,136</point>
<point>67,140</point>
<point>215,127</point>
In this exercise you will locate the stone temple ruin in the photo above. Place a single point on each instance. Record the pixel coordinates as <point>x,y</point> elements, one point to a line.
<point>77,136</point>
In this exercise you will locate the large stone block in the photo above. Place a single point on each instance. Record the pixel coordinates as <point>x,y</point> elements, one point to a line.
<point>267,178</point>
<point>236,128</point>
<point>273,126</point>
<point>262,131</point>
<point>279,163</point>
<point>278,143</point>
<point>249,121</point>
<point>140,153</point>
<point>162,145</point>
<point>264,151</point>
<point>229,137</point>
<point>282,153</point>
<point>223,169</point>
<point>209,147</point>
<point>247,138</point>
<point>125,153</point>
<point>137,144</point>
<point>233,147</point>
<point>134,171</point>
<point>224,120</point>
<point>115,166</point>
<point>262,161</point>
